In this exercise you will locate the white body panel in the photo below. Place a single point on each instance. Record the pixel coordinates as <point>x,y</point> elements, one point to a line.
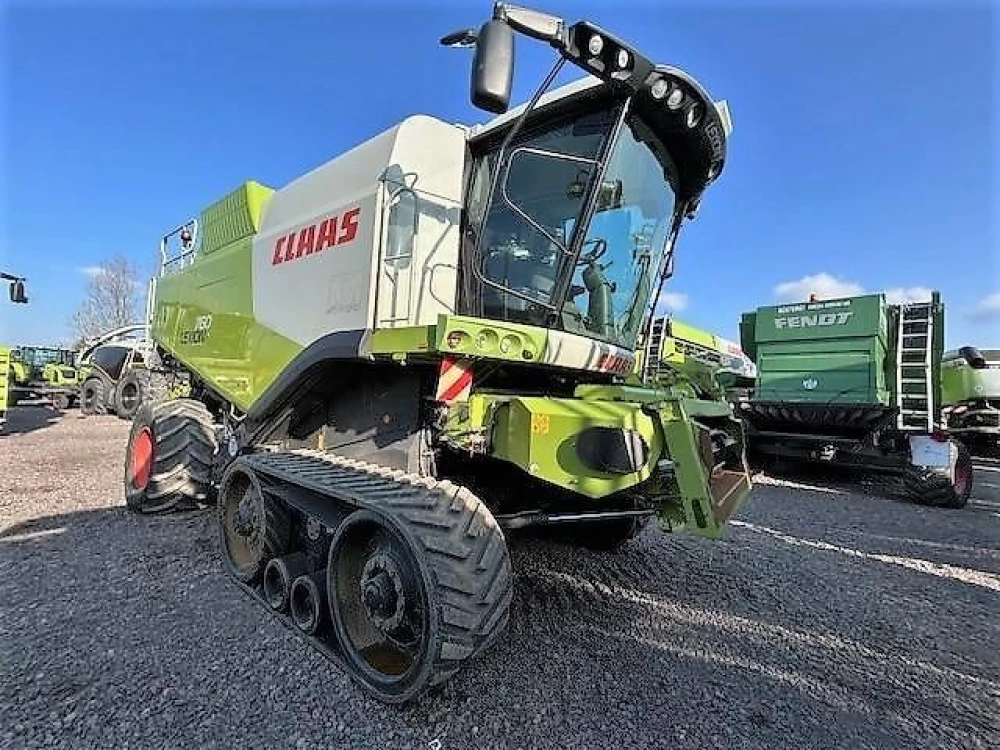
<point>317,259</point>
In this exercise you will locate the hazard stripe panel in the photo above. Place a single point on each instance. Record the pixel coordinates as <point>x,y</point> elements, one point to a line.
<point>454,380</point>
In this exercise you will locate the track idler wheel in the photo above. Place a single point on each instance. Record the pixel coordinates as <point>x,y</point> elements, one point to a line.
<point>253,527</point>
<point>382,613</point>
<point>278,576</point>
<point>307,602</point>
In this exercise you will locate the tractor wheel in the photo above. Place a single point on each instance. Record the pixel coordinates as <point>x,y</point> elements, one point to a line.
<point>92,397</point>
<point>133,390</point>
<point>61,401</point>
<point>928,487</point>
<point>168,462</point>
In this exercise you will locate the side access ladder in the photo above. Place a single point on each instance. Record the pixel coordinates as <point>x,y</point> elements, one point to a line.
<point>914,386</point>
<point>654,350</point>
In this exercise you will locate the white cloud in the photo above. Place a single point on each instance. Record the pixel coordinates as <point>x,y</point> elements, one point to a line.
<point>900,295</point>
<point>91,271</point>
<point>987,308</point>
<point>823,285</point>
<point>672,301</point>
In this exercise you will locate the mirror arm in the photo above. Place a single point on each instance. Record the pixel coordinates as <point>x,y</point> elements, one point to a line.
<point>533,23</point>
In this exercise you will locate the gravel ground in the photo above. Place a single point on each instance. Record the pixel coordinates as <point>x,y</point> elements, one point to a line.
<point>826,619</point>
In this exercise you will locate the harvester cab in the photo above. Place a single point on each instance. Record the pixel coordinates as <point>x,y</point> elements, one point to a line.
<point>424,344</point>
<point>855,382</point>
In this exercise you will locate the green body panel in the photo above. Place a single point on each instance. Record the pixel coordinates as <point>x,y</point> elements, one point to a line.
<point>60,375</point>
<point>539,435</point>
<point>233,218</point>
<point>830,352</point>
<point>960,382</point>
<point>405,340</point>
<point>20,371</point>
<point>4,381</point>
<point>204,313</point>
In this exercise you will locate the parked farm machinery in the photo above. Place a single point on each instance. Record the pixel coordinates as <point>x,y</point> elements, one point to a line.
<point>855,382</point>
<point>970,398</point>
<point>422,345</point>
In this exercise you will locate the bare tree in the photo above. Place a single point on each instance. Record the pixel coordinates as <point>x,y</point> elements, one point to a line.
<point>113,299</point>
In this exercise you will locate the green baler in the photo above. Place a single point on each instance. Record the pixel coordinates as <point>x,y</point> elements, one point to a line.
<point>856,382</point>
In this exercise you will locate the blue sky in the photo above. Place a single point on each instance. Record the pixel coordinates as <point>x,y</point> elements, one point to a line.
<point>863,157</point>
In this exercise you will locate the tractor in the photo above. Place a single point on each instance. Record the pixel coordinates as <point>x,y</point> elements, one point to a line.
<point>43,372</point>
<point>405,356</point>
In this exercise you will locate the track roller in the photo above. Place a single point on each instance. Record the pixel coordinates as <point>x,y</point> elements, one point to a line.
<point>278,576</point>
<point>308,603</point>
<point>252,527</point>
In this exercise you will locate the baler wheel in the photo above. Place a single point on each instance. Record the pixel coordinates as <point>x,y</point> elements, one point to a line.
<point>927,487</point>
<point>168,461</point>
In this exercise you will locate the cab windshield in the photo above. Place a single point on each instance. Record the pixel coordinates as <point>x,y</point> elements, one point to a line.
<point>528,271</point>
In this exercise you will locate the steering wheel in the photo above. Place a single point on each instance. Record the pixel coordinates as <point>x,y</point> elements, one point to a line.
<point>598,252</point>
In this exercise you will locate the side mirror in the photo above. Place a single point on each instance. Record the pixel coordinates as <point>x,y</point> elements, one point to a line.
<point>17,292</point>
<point>973,357</point>
<point>493,67</point>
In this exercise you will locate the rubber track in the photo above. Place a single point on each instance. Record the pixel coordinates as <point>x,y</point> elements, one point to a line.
<point>463,545</point>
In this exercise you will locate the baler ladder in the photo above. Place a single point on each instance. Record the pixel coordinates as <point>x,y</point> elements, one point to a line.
<point>914,388</point>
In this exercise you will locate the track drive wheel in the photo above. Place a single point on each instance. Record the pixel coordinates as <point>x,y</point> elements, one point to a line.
<point>92,397</point>
<point>253,527</point>
<point>168,461</point>
<point>927,487</point>
<point>413,593</point>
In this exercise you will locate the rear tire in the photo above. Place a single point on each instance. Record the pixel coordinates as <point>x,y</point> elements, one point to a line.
<point>168,462</point>
<point>92,397</point>
<point>927,487</point>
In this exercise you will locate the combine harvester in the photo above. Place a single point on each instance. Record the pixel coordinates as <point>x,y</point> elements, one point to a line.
<point>970,395</point>
<point>855,382</point>
<point>675,346</point>
<point>423,344</point>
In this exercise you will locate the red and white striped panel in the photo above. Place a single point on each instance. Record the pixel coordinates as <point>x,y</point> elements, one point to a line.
<point>454,380</point>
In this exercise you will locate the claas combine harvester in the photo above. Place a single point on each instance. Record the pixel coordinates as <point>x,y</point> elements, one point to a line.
<point>430,341</point>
